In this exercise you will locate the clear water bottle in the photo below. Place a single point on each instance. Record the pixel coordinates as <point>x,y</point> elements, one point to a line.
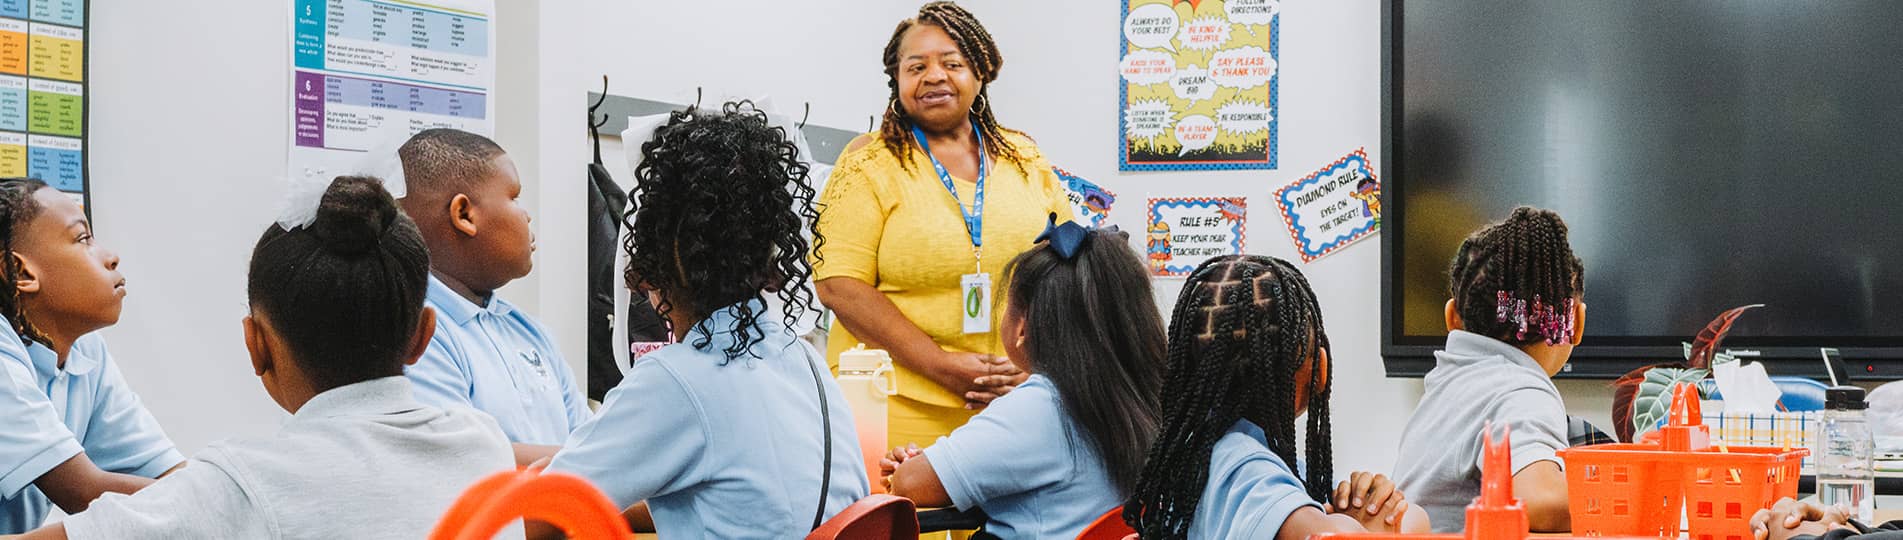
<point>1845,453</point>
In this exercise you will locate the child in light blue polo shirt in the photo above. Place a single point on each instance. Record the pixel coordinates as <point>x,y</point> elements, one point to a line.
<point>71,428</point>
<point>1249,365</point>
<point>736,431</point>
<point>359,457</point>
<point>486,354</point>
<point>1067,445</point>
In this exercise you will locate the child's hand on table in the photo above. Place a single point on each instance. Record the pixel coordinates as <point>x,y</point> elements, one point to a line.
<point>1372,500</point>
<point>1790,518</point>
<point>890,463</point>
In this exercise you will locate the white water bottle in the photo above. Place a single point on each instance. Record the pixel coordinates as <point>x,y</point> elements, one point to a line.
<point>867,380</point>
<point>1845,453</point>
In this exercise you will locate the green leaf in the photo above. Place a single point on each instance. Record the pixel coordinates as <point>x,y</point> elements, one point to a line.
<point>1722,358</point>
<point>1653,401</point>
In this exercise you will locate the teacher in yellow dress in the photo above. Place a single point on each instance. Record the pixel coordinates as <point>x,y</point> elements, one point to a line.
<point>919,219</point>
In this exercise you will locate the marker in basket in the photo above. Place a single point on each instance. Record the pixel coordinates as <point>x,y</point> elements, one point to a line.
<point>1735,477</point>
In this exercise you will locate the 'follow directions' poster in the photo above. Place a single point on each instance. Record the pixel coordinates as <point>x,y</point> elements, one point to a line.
<point>1199,84</point>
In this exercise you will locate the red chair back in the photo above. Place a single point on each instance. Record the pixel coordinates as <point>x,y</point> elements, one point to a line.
<point>567,502</point>
<point>1110,526</point>
<point>877,517</point>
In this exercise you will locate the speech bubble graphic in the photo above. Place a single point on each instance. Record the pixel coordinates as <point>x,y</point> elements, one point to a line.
<point>1252,12</point>
<point>1241,68</point>
<point>1147,67</point>
<point>1204,33</point>
<point>1146,119</point>
<point>1196,132</point>
<point>1192,84</point>
<point>1243,117</point>
<point>1151,27</point>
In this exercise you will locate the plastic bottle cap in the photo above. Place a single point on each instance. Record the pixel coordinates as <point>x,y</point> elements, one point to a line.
<point>1845,398</point>
<point>862,359</point>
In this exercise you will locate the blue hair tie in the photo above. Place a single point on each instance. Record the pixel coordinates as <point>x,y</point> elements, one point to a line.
<point>1066,237</point>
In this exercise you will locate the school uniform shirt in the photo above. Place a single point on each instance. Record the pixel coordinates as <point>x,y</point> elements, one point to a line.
<point>720,448</point>
<point>1022,460</point>
<point>365,460</point>
<point>1476,380</point>
<point>49,414</point>
<point>497,360</point>
<point>1251,491</point>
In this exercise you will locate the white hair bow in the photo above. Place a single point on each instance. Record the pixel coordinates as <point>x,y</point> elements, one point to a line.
<point>303,194</point>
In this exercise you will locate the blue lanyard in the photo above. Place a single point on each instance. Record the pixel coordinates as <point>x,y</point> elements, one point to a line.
<point>975,217</point>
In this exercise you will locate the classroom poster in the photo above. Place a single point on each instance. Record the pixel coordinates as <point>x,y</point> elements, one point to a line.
<point>43,92</point>
<point>1185,232</point>
<point>1089,203</point>
<point>367,74</point>
<point>1198,80</point>
<point>1332,207</point>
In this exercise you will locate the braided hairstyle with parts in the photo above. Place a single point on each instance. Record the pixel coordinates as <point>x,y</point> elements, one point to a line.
<point>1244,337</point>
<point>1525,259</point>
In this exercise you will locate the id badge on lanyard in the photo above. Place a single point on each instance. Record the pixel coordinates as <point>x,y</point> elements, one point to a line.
<point>974,288</point>
<point>977,304</point>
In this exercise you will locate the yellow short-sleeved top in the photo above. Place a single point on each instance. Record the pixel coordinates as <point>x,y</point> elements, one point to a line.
<point>897,229</point>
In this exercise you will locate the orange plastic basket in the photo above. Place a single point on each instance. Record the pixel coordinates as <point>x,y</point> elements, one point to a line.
<point>1494,515</point>
<point>1643,489</point>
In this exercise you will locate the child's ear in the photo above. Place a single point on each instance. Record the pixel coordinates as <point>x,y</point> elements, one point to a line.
<point>1020,331</point>
<point>1579,322</point>
<point>462,214</point>
<point>1453,317</point>
<point>254,343</point>
<point>25,282</point>
<point>425,329</point>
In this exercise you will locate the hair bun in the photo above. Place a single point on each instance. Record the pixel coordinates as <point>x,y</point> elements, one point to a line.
<point>354,215</point>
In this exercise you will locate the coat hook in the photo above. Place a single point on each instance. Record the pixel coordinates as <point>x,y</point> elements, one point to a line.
<point>603,98</point>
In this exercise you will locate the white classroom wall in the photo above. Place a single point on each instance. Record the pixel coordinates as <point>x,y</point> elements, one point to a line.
<point>188,126</point>
<point>188,139</point>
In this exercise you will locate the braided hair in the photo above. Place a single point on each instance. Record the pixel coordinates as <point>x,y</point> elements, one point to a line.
<point>977,46</point>
<point>1522,262</point>
<point>722,199</point>
<point>17,208</point>
<point>1243,332</point>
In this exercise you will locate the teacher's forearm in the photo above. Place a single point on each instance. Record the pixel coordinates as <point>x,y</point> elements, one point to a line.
<point>877,322</point>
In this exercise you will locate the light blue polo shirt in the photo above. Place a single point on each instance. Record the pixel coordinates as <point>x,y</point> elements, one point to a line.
<point>497,360</point>
<point>1022,460</point>
<point>718,448</point>
<point>1251,491</point>
<point>48,415</point>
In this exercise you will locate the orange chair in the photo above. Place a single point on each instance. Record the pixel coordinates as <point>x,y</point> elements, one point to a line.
<point>877,517</point>
<point>1108,527</point>
<point>567,502</point>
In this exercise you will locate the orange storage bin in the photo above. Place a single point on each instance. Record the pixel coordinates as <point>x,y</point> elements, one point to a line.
<point>1643,489</point>
<point>1495,515</point>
